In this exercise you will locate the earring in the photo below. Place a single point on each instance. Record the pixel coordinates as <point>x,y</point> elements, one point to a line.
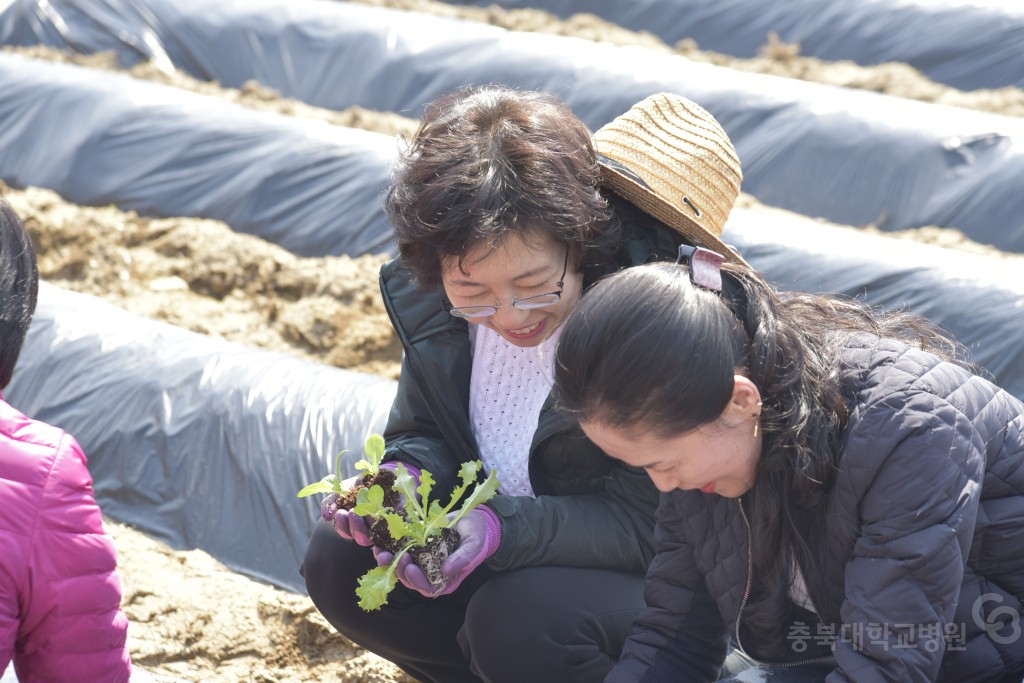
<point>757,424</point>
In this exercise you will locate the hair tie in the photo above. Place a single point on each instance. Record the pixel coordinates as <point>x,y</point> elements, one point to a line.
<point>705,266</point>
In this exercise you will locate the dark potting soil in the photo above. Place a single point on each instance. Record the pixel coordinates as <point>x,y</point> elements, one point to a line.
<point>430,557</point>
<point>382,537</point>
<point>384,478</point>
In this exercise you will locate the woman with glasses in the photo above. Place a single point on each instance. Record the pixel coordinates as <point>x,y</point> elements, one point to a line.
<point>843,497</point>
<point>504,214</point>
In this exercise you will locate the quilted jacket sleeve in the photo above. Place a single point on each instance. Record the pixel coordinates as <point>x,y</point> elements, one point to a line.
<point>610,529</point>
<point>915,463</point>
<point>71,626</point>
<point>414,438</point>
<point>681,635</point>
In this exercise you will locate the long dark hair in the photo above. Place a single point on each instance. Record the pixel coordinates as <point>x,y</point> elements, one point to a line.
<point>648,349</point>
<point>490,161</point>
<point>19,288</point>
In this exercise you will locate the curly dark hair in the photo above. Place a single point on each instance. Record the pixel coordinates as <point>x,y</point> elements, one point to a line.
<point>491,161</point>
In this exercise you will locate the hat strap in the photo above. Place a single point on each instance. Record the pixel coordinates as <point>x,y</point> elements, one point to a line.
<point>624,170</point>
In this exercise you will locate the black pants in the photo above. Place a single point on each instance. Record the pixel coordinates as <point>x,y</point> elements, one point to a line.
<point>536,624</point>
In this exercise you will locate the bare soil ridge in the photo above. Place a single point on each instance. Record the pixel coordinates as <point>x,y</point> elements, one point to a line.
<point>201,275</point>
<point>194,620</point>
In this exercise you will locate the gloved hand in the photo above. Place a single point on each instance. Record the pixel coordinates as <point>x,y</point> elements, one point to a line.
<point>356,527</point>
<point>348,524</point>
<point>417,581</point>
<point>479,538</point>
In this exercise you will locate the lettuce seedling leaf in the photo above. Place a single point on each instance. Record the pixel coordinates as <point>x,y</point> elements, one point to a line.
<point>406,485</point>
<point>369,501</point>
<point>419,530</point>
<point>329,484</point>
<point>481,494</point>
<point>398,527</point>
<point>469,470</point>
<point>435,511</point>
<point>467,473</point>
<point>374,452</point>
<point>322,486</point>
<point>375,585</point>
<point>424,489</point>
<point>375,448</point>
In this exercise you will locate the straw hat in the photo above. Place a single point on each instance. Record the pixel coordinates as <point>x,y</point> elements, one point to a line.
<point>671,158</point>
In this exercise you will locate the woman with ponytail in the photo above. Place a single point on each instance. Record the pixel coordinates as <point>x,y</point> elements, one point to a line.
<point>842,497</point>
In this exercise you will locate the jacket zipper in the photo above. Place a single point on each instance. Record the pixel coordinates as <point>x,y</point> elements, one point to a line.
<point>445,423</point>
<point>750,576</point>
<point>746,597</point>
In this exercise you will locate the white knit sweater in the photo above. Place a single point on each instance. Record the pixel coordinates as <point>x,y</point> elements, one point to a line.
<point>507,389</point>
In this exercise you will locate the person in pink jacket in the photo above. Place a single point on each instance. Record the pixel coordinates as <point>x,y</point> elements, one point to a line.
<point>60,593</point>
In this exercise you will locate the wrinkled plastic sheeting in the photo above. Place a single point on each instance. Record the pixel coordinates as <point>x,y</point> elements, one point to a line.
<point>846,269</point>
<point>967,45</point>
<point>978,299</point>
<point>100,138</point>
<point>195,440</point>
<point>850,156</point>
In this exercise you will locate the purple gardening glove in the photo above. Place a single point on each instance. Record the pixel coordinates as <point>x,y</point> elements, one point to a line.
<point>417,582</point>
<point>356,527</point>
<point>480,536</point>
<point>349,525</point>
<point>480,532</point>
<point>412,469</point>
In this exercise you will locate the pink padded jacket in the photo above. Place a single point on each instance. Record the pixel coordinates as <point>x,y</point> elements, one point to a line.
<point>60,594</point>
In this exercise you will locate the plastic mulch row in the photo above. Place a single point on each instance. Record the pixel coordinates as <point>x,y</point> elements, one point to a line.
<point>850,156</point>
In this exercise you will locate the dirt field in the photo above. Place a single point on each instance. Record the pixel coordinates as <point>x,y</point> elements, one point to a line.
<point>192,618</point>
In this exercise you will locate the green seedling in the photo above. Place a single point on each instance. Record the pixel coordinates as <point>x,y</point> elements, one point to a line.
<point>422,528</point>
<point>340,496</point>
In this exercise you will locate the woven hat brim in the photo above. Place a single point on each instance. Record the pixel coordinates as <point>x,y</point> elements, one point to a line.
<point>649,202</point>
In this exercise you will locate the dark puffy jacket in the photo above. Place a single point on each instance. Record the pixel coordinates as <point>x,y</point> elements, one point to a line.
<point>923,536</point>
<point>590,510</point>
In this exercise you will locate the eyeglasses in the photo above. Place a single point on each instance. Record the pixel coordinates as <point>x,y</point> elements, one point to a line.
<point>527,304</point>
